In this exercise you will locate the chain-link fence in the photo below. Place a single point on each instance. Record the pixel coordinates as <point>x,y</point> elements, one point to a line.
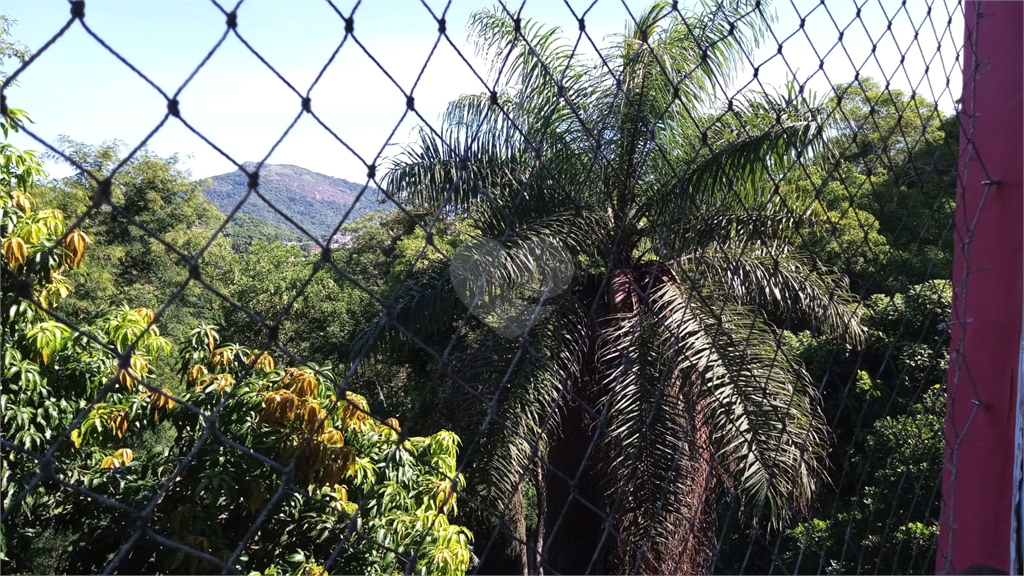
<point>674,300</point>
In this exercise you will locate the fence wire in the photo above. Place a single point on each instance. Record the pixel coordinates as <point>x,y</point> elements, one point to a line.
<point>635,306</point>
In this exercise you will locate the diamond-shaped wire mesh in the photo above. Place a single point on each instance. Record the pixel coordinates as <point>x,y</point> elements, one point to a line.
<point>675,300</point>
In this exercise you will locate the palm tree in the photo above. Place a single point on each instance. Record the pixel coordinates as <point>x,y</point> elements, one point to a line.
<point>655,382</point>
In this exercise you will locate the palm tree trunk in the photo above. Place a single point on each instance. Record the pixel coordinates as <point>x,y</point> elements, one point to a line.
<point>577,507</point>
<point>573,545</point>
<point>537,540</point>
<point>517,526</point>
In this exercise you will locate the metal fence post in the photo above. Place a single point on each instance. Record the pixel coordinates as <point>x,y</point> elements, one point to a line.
<point>985,344</point>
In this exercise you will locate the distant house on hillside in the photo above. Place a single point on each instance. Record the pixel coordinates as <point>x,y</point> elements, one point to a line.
<point>342,240</point>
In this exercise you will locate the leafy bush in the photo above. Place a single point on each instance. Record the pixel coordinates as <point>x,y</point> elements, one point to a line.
<point>350,479</point>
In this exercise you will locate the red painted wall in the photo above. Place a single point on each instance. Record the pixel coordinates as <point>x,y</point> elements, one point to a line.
<point>985,322</point>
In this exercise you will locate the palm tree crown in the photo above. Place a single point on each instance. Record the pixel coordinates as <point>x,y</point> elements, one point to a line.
<point>655,379</point>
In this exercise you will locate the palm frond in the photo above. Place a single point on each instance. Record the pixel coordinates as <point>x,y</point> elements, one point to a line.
<point>476,152</point>
<point>780,283</point>
<point>648,439</point>
<point>426,305</point>
<point>690,59</point>
<point>696,231</point>
<point>742,155</point>
<point>761,410</point>
<point>665,68</point>
<point>525,383</point>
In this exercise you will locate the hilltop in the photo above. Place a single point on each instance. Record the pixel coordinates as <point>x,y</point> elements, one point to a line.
<point>315,201</point>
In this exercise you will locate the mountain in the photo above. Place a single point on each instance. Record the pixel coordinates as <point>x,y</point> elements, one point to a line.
<point>315,201</point>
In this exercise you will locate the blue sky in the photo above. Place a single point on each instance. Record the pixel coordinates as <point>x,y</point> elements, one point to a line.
<point>78,89</point>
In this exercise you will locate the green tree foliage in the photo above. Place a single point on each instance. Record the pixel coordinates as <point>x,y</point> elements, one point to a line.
<point>318,326</point>
<point>894,180</point>
<point>384,250</point>
<point>915,207</point>
<point>51,372</point>
<point>840,226</point>
<point>329,318</point>
<point>883,127</point>
<point>892,526</point>
<point>342,457</point>
<point>885,405</point>
<point>154,198</point>
<point>136,434</point>
<point>10,49</point>
<point>883,215</point>
<point>243,230</point>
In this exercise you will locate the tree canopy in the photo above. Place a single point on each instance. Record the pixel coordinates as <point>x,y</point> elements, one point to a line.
<point>625,322</point>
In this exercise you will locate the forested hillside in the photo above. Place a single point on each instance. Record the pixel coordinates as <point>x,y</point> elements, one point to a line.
<point>315,201</point>
<point>244,229</point>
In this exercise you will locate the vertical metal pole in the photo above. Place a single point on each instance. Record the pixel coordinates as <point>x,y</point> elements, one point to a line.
<point>988,297</point>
